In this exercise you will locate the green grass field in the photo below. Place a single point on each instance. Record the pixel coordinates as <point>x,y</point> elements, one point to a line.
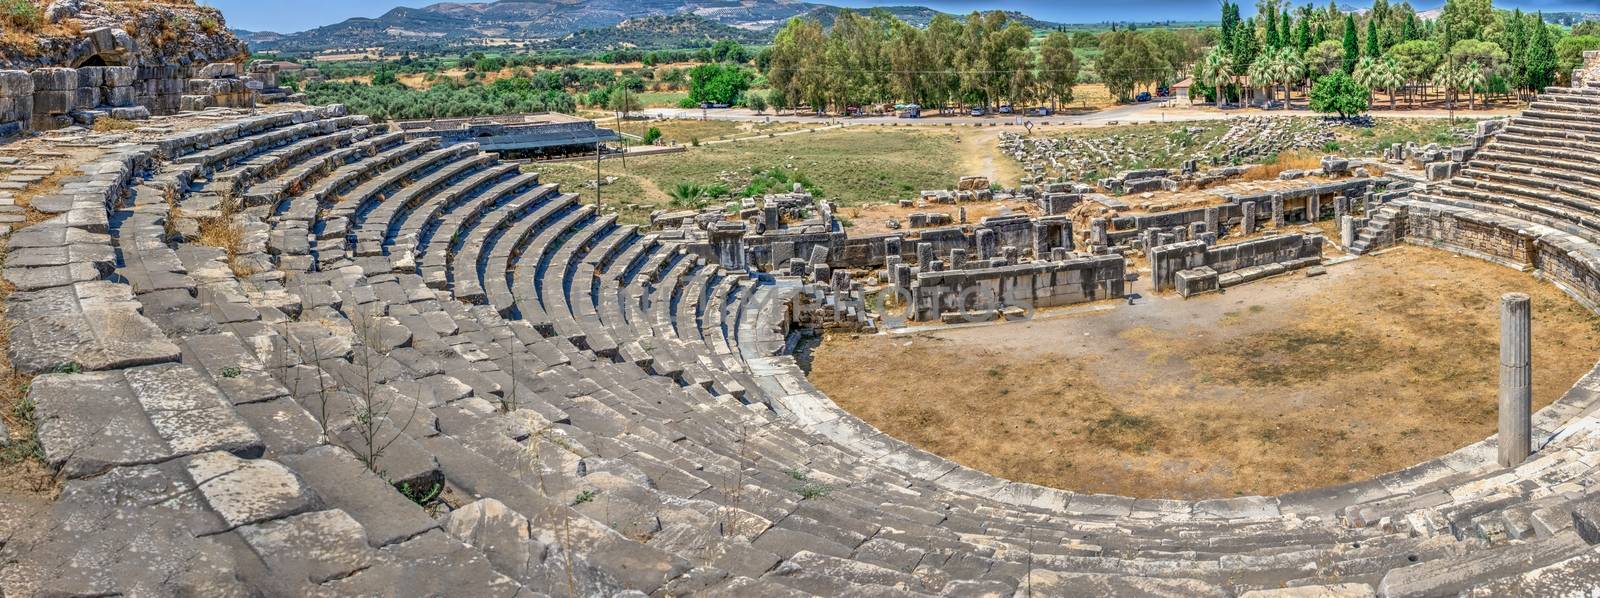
<point>850,166</point>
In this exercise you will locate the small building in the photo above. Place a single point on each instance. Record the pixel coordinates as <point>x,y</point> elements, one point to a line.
<point>1180,90</point>
<point>522,136</point>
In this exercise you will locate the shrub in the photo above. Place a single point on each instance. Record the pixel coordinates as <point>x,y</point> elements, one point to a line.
<point>652,135</point>
<point>1337,93</point>
<point>21,14</point>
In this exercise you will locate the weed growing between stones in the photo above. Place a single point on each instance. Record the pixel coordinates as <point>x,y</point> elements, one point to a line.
<point>813,490</point>
<point>423,496</point>
<point>584,496</point>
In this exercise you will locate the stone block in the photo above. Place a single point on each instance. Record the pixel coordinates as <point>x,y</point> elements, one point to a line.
<point>87,97</point>
<point>218,70</point>
<point>54,102</point>
<point>91,76</point>
<point>16,84</point>
<point>118,96</point>
<point>118,76</point>
<point>54,79</point>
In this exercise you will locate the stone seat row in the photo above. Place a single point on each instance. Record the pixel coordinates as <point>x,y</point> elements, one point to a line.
<point>690,488</point>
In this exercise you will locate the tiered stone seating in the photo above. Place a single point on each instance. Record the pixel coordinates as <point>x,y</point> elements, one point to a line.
<point>422,373</point>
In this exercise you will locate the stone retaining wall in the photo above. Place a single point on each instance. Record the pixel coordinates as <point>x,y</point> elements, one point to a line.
<point>1560,257</point>
<point>53,97</point>
<point>1168,260</point>
<point>1033,284</point>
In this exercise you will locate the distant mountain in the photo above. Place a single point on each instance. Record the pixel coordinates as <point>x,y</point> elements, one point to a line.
<point>588,24</point>
<point>688,30</point>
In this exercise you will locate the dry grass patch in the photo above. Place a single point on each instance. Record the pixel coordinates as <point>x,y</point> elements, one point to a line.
<point>111,125</point>
<point>1277,386</point>
<point>225,233</point>
<point>1285,162</point>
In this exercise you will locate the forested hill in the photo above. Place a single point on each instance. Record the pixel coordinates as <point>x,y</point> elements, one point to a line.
<point>575,24</point>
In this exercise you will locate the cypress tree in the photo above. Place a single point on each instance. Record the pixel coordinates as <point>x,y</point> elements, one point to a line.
<point>1352,46</point>
<point>1408,32</point>
<point>1372,39</point>
<point>1541,66</point>
<point>1271,34</point>
<point>1516,47</point>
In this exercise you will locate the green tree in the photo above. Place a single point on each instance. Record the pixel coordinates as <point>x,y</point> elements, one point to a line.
<point>1324,58</point>
<point>756,102</point>
<point>1372,40</point>
<point>623,101</point>
<point>1339,94</point>
<point>1352,47</point>
<point>1464,19</point>
<point>1290,69</point>
<point>652,135</point>
<point>1216,70</point>
<point>1417,59</point>
<point>1128,59</point>
<point>717,83</point>
<point>1448,78</point>
<point>1542,62</point>
<point>1058,67</point>
<point>1569,52</point>
<point>383,77</point>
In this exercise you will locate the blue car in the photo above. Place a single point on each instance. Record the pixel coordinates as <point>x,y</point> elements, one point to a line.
<point>1144,96</point>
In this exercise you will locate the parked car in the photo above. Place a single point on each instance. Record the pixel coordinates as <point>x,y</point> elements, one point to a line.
<point>712,106</point>
<point>1005,109</point>
<point>911,111</point>
<point>978,112</point>
<point>1144,96</point>
<point>1039,111</point>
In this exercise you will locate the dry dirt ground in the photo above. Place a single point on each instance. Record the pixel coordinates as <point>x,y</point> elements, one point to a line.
<point>1281,385</point>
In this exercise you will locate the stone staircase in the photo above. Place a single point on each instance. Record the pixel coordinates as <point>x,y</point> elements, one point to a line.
<point>1379,231</point>
<point>419,371</point>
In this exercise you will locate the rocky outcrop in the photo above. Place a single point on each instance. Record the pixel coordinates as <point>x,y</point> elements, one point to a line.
<point>73,33</point>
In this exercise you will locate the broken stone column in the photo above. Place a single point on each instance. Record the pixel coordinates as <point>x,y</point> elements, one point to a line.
<point>924,254</point>
<point>988,245</point>
<point>1313,208</point>
<point>958,259</point>
<point>771,216</point>
<point>841,280</point>
<point>819,255</point>
<point>727,240</point>
<point>891,250</point>
<point>1347,230</point>
<point>1213,221</point>
<point>962,214</point>
<point>1097,231</point>
<point>1277,211</point>
<point>1516,379</point>
<point>1249,223</point>
<point>1366,204</point>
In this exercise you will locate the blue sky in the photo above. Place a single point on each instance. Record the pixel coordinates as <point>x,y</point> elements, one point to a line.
<point>297,15</point>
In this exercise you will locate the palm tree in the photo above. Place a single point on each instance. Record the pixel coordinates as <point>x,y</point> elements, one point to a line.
<point>1390,76</point>
<point>1448,80</point>
<point>1366,74</point>
<point>1473,77</point>
<point>1262,71</point>
<point>1216,70</point>
<point>1290,69</point>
